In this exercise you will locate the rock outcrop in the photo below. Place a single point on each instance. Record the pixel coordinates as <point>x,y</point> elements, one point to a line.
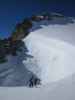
<point>11,45</point>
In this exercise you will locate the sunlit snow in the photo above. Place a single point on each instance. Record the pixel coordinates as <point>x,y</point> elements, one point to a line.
<point>49,54</point>
<point>54,56</point>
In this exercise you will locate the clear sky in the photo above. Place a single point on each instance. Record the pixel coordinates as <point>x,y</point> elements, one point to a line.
<point>13,11</point>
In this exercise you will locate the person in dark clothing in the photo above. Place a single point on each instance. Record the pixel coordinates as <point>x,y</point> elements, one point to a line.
<point>34,81</point>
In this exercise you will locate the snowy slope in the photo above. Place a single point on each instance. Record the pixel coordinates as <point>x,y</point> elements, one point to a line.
<point>50,55</point>
<point>53,47</point>
<point>62,90</point>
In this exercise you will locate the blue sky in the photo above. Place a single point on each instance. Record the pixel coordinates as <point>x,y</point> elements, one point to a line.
<point>13,11</point>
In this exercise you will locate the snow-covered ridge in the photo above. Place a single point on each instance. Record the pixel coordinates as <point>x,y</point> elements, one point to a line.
<point>48,54</point>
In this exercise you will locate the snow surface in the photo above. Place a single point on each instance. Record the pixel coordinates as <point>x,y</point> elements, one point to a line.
<point>52,51</point>
<point>62,90</point>
<point>50,55</point>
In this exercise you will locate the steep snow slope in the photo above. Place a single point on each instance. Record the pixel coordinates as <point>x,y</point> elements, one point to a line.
<point>49,53</point>
<point>53,48</point>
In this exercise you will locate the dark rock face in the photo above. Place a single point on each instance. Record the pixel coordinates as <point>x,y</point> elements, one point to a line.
<point>22,30</point>
<point>7,47</point>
